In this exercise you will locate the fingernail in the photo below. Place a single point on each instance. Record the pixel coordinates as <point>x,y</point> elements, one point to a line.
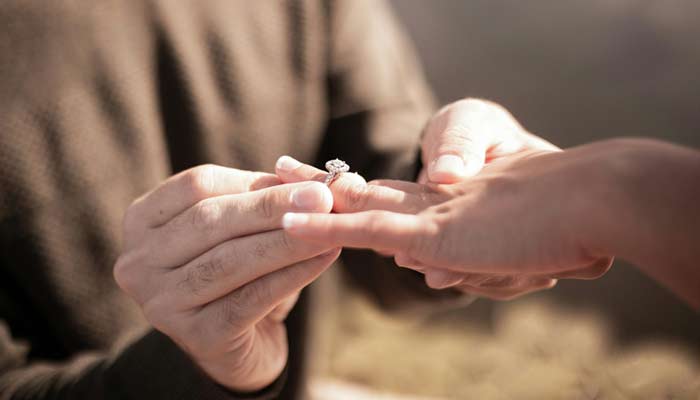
<point>294,220</point>
<point>438,279</point>
<point>439,285</point>
<point>313,196</point>
<point>287,164</point>
<point>449,164</point>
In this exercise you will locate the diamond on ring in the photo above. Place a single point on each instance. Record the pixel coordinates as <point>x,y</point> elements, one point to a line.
<point>335,168</point>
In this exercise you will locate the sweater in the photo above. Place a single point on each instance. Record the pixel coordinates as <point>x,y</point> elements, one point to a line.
<point>101,100</point>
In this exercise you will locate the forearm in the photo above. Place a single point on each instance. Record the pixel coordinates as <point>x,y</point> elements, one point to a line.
<point>651,211</point>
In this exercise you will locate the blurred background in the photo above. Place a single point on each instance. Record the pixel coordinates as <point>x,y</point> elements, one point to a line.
<point>572,72</point>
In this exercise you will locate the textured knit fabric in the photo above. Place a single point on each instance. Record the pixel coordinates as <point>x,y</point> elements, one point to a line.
<point>102,99</point>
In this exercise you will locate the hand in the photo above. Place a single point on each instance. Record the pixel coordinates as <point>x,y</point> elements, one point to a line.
<point>463,136</point>
<point>513,228</point>
<point>353,195</point>
<point>457,142</point>
<point>205,258</point>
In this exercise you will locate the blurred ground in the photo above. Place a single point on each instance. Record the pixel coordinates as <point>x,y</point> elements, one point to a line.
<point>537,350</point>
<point>573,72</point>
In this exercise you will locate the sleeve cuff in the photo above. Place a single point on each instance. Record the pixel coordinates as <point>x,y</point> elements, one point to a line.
<point>156,368</point>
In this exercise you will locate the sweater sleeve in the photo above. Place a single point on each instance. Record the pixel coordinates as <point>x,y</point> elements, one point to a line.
<point>380,103</point>
<point>152,367</point>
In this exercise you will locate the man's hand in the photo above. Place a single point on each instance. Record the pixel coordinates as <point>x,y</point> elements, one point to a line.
<point>463,136</point>
<point>206,259</point>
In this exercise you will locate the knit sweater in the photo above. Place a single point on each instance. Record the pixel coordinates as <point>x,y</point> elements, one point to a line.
<point>101,100</point>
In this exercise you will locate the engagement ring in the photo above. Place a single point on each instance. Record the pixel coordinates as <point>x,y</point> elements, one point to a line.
<point>335,168</point>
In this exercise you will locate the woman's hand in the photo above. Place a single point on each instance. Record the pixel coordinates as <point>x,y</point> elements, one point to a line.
<point>523,222</point>
<point>457,142</point>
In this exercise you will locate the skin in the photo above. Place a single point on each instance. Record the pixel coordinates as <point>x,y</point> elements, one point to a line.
<point>206,258</point>
<point>470,133</point>
<point>539,213</point>
<point>465,135</point>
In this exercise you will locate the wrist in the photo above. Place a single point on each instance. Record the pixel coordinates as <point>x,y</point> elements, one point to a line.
<point>619,181</point>
<point>607,172</point>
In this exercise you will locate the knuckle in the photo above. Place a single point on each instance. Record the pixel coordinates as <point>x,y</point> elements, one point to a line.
<point>238,305</point>
<point>268,203</point>
<point>202,274</point>
<point>257,292</point>
<point>260,250</point>
<point>200,181</point>
<point>122,274</point>
<point>261,180</point>
<point>284,243</point>
<point>128,276</point>
<point>229,314</point>
<point>206,214</point>
<point>356,197</point>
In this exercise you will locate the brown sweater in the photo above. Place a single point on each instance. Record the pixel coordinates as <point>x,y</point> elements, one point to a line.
<point>101,100</point>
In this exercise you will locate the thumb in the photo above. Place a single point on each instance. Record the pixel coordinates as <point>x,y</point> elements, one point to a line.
<point>456,142</point>
<point>456,156</point>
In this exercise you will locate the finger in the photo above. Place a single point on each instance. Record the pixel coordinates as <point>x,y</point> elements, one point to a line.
<point>216,220</point>
<point>508,292</point>
<point>282,310</point>
<point>422,176</point>
<point>352,194</point>
<point>185,189</point>
<point>437,278</point>
<point>457,141</point>
<point>353,197</point>
<point>504,281</point>
<point>404,186</point>
<point>378,230</point>
<point>291,170</point>
<point>404,260</point>
<point>451,148</point>
<point>235,263</point>
<point>593,271</point>
<point>249,304</point>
